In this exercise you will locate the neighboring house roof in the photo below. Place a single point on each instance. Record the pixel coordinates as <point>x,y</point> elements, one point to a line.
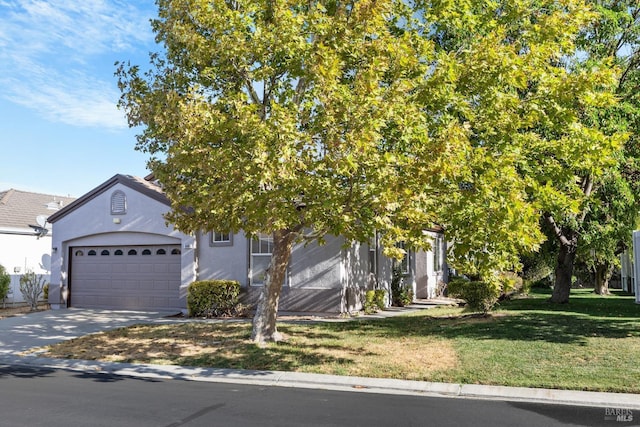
<point>20,209</point>
<point>148,188</point>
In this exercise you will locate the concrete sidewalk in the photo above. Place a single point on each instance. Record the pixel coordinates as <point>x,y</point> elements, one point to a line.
<point>42,328</point>
<point>21,333</point>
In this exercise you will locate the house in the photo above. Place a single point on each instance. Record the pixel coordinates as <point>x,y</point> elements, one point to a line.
<point>633,268</point>
<point>112,248</point>
<point>25,236</point>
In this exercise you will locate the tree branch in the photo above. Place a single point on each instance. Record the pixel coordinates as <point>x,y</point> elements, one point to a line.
<point>557,230</point>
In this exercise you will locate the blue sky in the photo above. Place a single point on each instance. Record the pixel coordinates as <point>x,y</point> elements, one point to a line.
<point>60,130</point>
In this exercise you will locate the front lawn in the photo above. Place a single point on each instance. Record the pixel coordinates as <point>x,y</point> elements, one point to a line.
<point>592,343</point>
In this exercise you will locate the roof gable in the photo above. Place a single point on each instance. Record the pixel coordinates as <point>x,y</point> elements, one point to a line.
<point>147,188</point>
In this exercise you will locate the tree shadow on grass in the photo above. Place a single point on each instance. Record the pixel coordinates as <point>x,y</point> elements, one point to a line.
<point>565,327</point>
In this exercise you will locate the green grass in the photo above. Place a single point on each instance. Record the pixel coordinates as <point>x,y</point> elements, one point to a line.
<point>592,343</point>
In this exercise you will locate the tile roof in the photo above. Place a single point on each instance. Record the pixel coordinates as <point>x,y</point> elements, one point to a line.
<point>19,209</point>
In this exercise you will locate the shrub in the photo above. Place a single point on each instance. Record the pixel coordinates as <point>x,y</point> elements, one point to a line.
<point>5,282</point>
<point>510,284</point>
<point>479,295</point>
<point>31,288</point>
<point>370,305</point>
<point>401,295</point>
<point>374,300</point>
<point>214,298</point>
<point>45,292</point>
<point>544,283</point>
<point>380,298</point>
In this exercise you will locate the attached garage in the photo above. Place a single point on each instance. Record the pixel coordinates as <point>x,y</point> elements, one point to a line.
<point>113,249</point>
<point>134,277</point>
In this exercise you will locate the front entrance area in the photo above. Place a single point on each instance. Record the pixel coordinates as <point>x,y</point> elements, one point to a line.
<point>144,277</point>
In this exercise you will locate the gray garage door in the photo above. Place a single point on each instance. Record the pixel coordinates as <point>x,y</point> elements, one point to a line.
<point>125,277</point>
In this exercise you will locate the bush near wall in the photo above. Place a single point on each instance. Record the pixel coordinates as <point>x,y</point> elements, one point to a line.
<point>213,298</point>
<point>374,301</point>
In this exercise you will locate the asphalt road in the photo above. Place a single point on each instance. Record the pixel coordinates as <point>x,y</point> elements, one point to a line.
<point>33,396</point>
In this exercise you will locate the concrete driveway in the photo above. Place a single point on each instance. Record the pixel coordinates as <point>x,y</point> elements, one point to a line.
<point>21,333</point>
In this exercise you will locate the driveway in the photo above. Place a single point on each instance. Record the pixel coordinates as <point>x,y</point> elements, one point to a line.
<point>21,333</point>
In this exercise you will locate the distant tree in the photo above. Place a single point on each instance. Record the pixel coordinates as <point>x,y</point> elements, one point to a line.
<point>518,115</point>
<point>5,282</point>
<point>600,228</point>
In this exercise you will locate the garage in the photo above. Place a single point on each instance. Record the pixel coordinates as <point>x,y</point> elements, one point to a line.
<point>133,277</point>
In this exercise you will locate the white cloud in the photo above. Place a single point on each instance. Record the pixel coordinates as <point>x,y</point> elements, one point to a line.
<point>56,56</point>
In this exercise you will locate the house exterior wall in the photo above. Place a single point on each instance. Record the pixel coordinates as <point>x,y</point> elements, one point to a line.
<point>225,262</point>
<point>331,277</point>
<point>21,252</point>
<point>93,224</point>
<point>426,276</point>
<point>636,264</point>
<point>315,280</point>
<point>421,277</point>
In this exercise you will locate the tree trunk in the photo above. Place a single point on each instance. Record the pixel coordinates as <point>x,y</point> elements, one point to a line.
<point>603,274</point>
<point>264,321</point>
<point>564,273</point>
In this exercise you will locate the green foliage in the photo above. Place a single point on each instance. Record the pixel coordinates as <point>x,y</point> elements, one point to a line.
<point>479,295</point>
<point>544,283</point>
<point>374,300</point>
<point>380,298</point>
<point>515,124</point>
<point>45,292</point>
<point>370,305</point>
<point>5,282</point>
<point>510,284</point>
<point>401,294</point>
<point>356,118</point>
<point>213,298</point>
<point>31,287</point>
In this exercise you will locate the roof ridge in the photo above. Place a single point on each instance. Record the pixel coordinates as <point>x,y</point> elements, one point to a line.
<point>14,190</point>
<point>7,196</point>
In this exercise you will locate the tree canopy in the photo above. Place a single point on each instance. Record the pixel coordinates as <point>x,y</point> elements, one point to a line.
<point>306,118</point>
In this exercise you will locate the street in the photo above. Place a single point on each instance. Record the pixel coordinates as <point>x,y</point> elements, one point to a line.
<point>32,396</point>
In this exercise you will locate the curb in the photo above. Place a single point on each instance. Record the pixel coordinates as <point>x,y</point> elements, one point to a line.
<point>337,383</point>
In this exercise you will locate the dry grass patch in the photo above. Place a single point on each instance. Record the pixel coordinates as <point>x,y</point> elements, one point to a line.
<point>308,348</point>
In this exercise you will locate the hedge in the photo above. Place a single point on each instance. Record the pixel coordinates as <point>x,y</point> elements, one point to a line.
<point>213,298</point>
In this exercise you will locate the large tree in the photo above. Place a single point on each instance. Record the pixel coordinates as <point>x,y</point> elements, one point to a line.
<point>612,214</point>
<point>288,118</point>
<point>520,105</point>
<point>299,119</point>
<point>600,228</point>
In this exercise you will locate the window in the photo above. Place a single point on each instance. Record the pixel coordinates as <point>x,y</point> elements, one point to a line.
<point>176,252</point>
<point>221,239</point>
<point>79,253</point>
<point>404,263</point>
<point>261,248</point>
<point>104,253</point>
<point>132,252</point>
<point>437,253</point>
<point>118,252</point>
<point>161,252</point>
<point>118,203</point>
<point>146,252</point>
<point>373,257</point>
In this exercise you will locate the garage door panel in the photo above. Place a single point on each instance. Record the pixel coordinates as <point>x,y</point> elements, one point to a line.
<point>149,282</point>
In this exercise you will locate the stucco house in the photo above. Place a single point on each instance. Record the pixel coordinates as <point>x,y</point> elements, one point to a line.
<point>112,248</point>
<point>25,236</point>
